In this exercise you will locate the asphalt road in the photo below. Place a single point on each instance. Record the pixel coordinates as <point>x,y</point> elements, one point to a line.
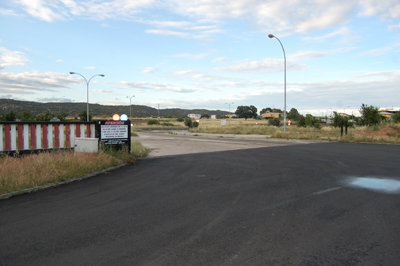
<point>282,205</point>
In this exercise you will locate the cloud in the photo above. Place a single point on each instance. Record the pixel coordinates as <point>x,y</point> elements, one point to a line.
<point>148,70</point>
<point>183,72</point>
<point>260,66</point>
<point>59,61</point>
<point>153,86</point>
<point>90,67</point>
<point>388,9</point>
<point>344,31</point>
<point>192,56</point>
<point>170,33</point>
<point>55,100</point>
<point>11,58</point>
<point>33,82</point>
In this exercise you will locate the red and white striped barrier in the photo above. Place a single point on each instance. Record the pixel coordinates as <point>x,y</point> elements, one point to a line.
<point>31,136</point>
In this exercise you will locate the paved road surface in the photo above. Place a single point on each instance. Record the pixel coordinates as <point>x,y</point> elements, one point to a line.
<point>163,143</point>
<point>282,205</point>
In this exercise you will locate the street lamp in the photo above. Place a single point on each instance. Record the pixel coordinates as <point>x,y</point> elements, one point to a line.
<point>87,90</point>
<point>130,106</point>
<point>284,56</point>
<point>229,106</point>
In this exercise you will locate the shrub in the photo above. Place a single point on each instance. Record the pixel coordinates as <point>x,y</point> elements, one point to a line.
<point>301,121</point>
<point>274,122</point>
<point>167,124</point>
<point>153,122</point>
<point>396,117</point>
<point>195,124</point>
<point>180,119</point>
<point>188,122</point>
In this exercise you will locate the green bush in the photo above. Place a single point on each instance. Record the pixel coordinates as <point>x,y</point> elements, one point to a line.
<point>195,124</point>
<point>274,122</point>
<point>180,119</point>
<point>167,124</point>
<point>188,122</point>
<point>396,117</point>
<point>153,122</point>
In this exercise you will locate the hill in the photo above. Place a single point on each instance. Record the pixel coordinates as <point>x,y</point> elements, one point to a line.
<point>74,109</point>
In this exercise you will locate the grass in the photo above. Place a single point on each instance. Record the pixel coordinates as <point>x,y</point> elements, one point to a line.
<point>389,133</point>
<point>50,167</point>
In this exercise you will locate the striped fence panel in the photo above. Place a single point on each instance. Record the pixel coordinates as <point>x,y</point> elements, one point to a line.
<point>34,136</point>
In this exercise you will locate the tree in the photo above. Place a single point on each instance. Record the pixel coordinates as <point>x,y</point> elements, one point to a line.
<point>83,116</point>
<point>44,117</point>
<point>246,111</point>
<point>293,114</point>
<point>312,121</point>
<point>265,110</point>
<point>62,116</point>
<point>370,115</point>
<point>205,116</point>
<point>341,121</point>
<point>9,117</point>
<point>301,122</point>
<point>274,122</point>
<point>188,122</point>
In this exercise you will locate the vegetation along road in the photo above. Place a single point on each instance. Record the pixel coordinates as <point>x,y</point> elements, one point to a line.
<point>314,204</point>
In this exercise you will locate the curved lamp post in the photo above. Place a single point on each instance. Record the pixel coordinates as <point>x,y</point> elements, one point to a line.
<point>284,56</point>
<point>87,90</point>
<point>130,106</point>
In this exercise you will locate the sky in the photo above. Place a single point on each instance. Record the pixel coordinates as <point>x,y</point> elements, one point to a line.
<point>212,54</point>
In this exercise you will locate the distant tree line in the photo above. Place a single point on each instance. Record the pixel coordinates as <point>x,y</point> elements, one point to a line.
<point>370,116</point>
<point>27,116</point>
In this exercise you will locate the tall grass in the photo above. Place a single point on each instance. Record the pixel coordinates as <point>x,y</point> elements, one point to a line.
<point>17,173</point>
<point>389,133</point>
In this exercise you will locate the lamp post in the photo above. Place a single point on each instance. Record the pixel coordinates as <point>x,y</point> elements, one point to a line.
<point>87,90</point>
<point>130,106</point>
<point>284,56</point>
<point>229,106</point>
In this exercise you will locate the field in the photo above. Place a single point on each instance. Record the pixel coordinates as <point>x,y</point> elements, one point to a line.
<point>388,133</point>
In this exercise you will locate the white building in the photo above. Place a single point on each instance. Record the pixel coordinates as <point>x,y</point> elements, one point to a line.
<point>194,116</point>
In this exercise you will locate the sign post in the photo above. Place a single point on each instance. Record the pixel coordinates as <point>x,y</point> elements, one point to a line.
<point>115,134</point>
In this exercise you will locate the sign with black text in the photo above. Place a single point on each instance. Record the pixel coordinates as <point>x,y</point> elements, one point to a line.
<point>116,133</point>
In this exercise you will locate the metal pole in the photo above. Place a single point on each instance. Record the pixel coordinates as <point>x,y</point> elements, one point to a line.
<point>130,106</point>
<point>284,56</point>
<point>87,90</point>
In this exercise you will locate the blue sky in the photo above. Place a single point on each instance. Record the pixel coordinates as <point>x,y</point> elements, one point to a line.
<point>203,54</point>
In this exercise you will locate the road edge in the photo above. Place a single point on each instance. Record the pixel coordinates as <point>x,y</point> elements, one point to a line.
<point>56,184</point>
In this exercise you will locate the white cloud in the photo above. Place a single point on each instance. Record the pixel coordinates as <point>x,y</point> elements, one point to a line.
<point>33,82</point>
<point>153,86</point>
<point>388,9</point>
<point>170,33</point>
<point>148,70</point>
<point>90,67</point>
<point>344,31</point>
<point>183,72</point>
<point>11,58</point>
<point>59,61</point>
<point>283,17</point>
<point>261,66</point>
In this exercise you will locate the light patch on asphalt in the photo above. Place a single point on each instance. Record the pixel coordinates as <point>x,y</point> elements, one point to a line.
<point>326,190</point>
<point>377,184</point>
<point>289,201</point>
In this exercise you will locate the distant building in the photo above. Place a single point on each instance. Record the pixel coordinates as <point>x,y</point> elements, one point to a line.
<point>271,115</point>
<point>194,116</point>
<point>231,115</point>
<point>388,112</point>
<point>213,117</point>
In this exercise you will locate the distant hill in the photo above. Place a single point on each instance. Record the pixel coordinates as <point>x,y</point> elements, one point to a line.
<point>74,109</point>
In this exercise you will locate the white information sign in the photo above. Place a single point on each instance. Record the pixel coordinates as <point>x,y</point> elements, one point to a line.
<point>114,131</point>
<point>223,122</point>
